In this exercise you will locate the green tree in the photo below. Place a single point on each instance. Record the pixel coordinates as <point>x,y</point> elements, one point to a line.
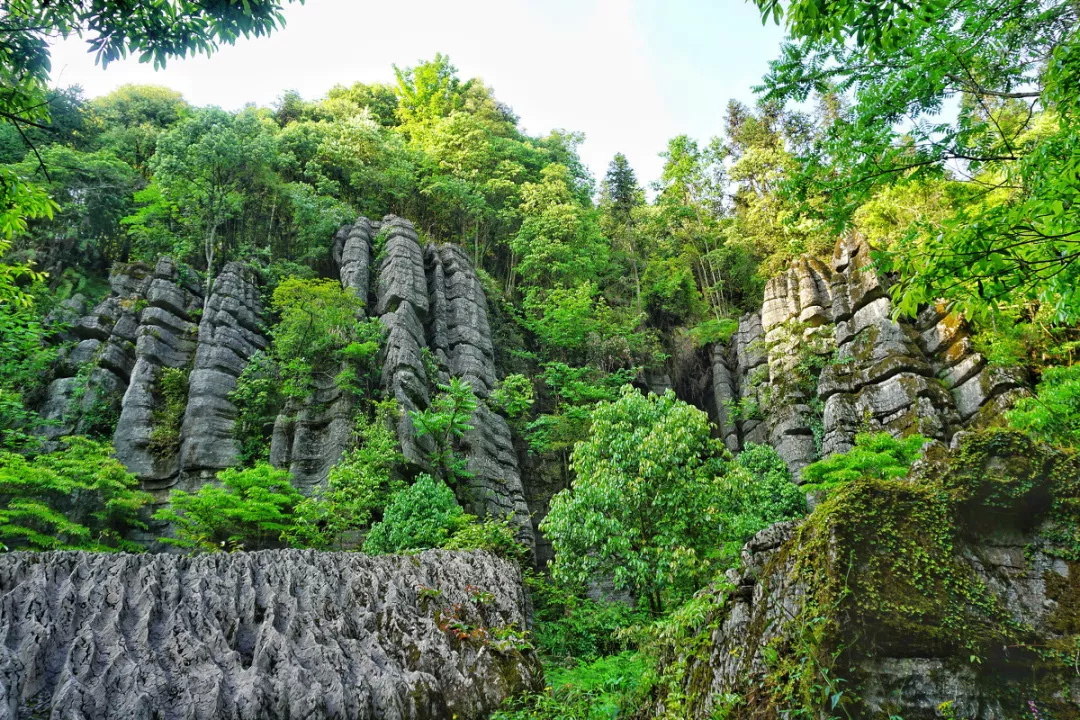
<point>643,503</point>
<point>129,120</point>
<point>1012,141</point>
<point>320,331</point>
<point>76,498</point>
<point>203,168</point>
<point>445,421</point>
<point>429,90</point>
<point>251,509</point>
<point>755,493</point>
<point>423,515</point>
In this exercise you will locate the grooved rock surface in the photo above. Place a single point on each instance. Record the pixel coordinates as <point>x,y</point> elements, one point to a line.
<point>166,339</point>
<point>93,377</point>
<point>429,299</point>
<point>878,374</point>
<point>230,333</point>
<point>266,635</point>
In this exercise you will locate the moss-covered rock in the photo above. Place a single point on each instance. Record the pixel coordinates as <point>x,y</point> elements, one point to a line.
<point>958,584</point>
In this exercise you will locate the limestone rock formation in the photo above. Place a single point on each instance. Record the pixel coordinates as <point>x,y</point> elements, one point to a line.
<point>955,585</point>
<point>870,373</point>
<point>268,635</point>
<point>166,338</point>
<point>429,299</point>
<point>230,333</point>
<point>93,378</point>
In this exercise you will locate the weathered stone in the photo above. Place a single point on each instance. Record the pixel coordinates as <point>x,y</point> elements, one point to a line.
<point>229,335</point>
<point>891,636</point>
<point>269,635</point>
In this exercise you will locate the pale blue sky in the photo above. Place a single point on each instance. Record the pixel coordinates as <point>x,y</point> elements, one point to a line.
<point>628,73</point>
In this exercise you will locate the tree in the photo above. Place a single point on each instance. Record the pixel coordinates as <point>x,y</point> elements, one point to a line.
<point>1014,69</point>
<point>445,421</point>
<point>202,169</point>
<point>76,498</point>
<point>428,91</point>
<point>159,31</point>
<point>643,504</point>
<point>129,120</point>
<point>620,195</point>
<point>252,508</point>
<point>358,486</point>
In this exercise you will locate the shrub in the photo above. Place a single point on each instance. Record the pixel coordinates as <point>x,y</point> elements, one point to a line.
<point>879,456</point>
<point>1053,414</point>
<point>754,494</point>
<point>492,535</point>
<point>422,516</point>
<point>170,404</point>
<point>358,486</point>
<point>76,498</point>
<point>249,510</point>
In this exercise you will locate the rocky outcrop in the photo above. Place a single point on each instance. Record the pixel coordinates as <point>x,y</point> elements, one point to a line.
<point>276,634</point>
<point>429,299</point>
<point>957,585</point>
<point>230,333</point>
<point>458,331</point>
<point>93,376</point>
<point>824,360</point>
<point>166,338</point>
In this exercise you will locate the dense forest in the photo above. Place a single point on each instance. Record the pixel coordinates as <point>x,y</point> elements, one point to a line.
<point>941,138</point>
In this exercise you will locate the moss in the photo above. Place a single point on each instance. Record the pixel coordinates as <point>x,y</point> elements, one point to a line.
<point>883,569</point>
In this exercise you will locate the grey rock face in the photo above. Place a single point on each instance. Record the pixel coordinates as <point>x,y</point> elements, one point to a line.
<point>430,301</point>
<point>459,332</point>
<point>230,333</point>
<point>900,376</point>
<point>165,339</point>
<point>93,378</point>
<point>268,635</point>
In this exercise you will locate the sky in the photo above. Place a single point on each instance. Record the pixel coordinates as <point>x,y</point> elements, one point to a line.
<point>629,74</point>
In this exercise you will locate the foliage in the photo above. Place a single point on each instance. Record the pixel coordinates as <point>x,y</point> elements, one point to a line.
<point>1053,413</point>
<point>879,456</point>
<point>318,331</point>
<point>358,486</point>
<point>491,535</point>
<point>25,369</point>
<point>513,396</point>
<point>571,626</point>
<point>250,509</point>
<point>755,493</point>
<point>445,421</point>
<point>170,403</point>
<point>423,515</point>
<point>595,690</point>
<point>258,399</point>
<point>642,506</point>
<point>75,498</point>
<point>1011,142</point>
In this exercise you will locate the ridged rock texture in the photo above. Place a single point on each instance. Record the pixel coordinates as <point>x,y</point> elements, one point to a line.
<point>260,636</point>
<point>152,320</point>
<point>429,299</point>
<point>878,374</point>
<point>431,302</point>
<point>951,586</point>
